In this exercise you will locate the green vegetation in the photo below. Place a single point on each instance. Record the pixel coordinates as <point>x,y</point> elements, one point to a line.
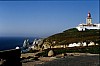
<point>73,35</point>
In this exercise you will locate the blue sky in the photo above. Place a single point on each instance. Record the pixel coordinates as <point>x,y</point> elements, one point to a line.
<point>44,18</point>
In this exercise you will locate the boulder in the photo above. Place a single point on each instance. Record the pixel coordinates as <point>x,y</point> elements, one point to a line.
<point>50,53</point>
<point>63,54</point>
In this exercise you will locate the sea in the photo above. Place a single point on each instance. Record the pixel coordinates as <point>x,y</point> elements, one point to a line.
<point>7,43</point>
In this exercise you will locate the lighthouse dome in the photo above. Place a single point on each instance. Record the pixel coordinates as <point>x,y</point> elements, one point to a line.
<point>89,15</point>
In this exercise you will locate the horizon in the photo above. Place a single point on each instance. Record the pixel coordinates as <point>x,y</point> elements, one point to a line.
<point>44,18</point>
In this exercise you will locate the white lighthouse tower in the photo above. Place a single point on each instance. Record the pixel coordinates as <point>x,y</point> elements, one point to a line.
<point>89,19</point>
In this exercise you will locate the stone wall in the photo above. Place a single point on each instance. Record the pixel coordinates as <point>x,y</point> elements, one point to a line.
<point>10,57</point>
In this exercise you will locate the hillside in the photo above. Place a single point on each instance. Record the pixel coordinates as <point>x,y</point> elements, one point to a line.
<point>73,35</point>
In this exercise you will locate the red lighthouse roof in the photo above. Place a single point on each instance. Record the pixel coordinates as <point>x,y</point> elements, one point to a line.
<point>89,15</point>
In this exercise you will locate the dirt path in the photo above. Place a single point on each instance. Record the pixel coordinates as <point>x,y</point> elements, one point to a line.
<point>74,61</point>
<point>30,54</point>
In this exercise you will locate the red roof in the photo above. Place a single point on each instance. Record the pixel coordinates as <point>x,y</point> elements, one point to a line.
<point>89,15</point>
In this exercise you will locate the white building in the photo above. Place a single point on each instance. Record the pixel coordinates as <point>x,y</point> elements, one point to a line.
<point>88,25</point>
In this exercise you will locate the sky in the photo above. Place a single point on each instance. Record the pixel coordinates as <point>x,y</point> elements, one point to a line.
<point>44,18</point>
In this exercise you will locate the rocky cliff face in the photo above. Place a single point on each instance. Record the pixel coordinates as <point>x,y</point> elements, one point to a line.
<point>35,45</point>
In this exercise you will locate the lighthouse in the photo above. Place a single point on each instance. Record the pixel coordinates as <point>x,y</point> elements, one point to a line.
<point>89,19</point>
<point>88,25</point>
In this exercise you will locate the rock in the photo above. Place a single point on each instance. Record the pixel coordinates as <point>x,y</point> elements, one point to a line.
<point>71,55</point>
<point>51,53</point>
<point>26,43</point>
<point>63,54</point>
<point>2,61</point>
